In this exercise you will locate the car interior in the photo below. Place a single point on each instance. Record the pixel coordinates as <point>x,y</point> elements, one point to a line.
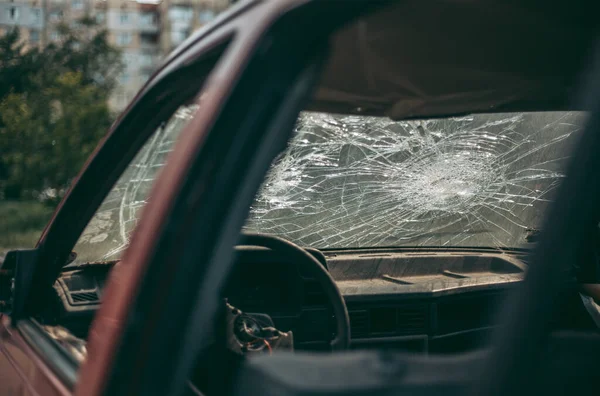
<point>404,211</point>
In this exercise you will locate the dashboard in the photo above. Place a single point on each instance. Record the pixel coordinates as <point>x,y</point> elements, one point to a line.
<point>424,302</point>
<point>420,302</point>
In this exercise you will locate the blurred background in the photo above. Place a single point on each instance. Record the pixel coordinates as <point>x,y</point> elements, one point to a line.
<point>67,70</point>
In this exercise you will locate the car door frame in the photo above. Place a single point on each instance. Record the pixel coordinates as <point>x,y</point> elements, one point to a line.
<point>43,365</point>
<point>123,335</point>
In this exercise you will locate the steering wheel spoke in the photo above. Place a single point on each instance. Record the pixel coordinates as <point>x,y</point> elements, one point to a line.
<point>312,267</point>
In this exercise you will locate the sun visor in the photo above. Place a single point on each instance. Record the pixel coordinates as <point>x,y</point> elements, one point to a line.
<point>439,58</point>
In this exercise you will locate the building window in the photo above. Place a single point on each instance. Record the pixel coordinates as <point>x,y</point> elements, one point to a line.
<point>100,17</point>
<point>36,15</point>
<point>124,38</point>
<point>13,14</point>
<point>181,14</point>
<point>54,36</point>
<point>146,59</point>
<point>177,37</point>
<point>206,16</point>
<point>77,4</point>
<point>124,18</point>
<point>147,19</point>
<point>34,36</point>
<point>129,58</point>
<point>55,16</point>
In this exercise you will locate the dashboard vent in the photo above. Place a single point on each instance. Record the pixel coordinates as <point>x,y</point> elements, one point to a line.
<point>85,297</point>
<point>359,323</point>
<point>412,319</point>
<point>466,313</point>
<point>389,321</point>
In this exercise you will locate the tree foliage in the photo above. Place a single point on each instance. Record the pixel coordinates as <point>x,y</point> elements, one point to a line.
<point>53,108</point>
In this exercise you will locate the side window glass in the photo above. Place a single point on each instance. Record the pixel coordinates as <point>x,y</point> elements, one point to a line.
<point>107,234</point>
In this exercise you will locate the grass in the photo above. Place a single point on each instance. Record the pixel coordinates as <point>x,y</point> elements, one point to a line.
<point>21,223</point>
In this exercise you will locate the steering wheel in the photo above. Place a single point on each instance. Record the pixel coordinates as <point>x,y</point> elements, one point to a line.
<point>315,269</point>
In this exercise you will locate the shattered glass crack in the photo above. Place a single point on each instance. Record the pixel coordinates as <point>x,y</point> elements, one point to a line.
<point>353,181</point>
<point>108,233</point>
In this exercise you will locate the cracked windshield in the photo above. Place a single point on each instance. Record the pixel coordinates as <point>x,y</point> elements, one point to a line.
<point>68,68</point>
<point>354,181</point>
<point>479,180</point>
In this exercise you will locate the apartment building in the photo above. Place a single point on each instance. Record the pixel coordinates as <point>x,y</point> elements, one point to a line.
<point>135,28</point>
<point>145,31</point>
<point>26,15</point>
<point>37,20</point>
<point>181,17</point>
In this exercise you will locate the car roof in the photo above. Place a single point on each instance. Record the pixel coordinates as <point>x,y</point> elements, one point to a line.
<point>435,58</point>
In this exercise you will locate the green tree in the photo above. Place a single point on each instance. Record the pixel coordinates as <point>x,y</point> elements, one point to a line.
<point>53,108</point>
<point>49,135</point>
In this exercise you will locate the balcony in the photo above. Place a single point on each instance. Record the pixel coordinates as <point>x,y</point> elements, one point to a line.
<point>149,41</point>
<point>148,23</point>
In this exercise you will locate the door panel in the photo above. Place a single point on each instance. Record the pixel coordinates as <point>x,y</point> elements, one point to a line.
<point>22,372</point>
